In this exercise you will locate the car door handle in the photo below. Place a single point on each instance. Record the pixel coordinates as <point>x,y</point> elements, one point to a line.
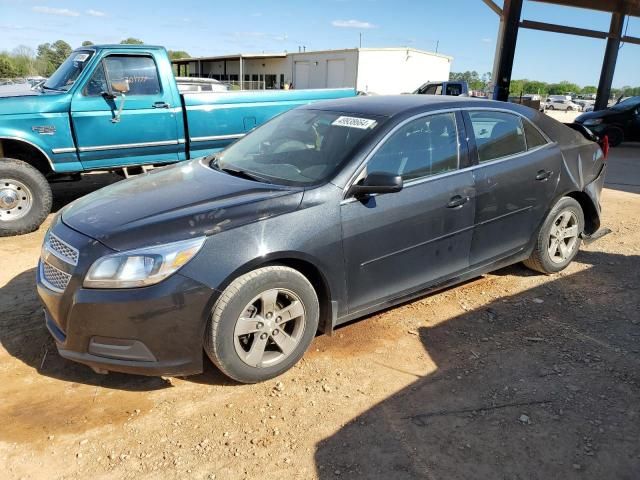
<point>543,174</point>
<point>457,201</point>
<point>160,105</point>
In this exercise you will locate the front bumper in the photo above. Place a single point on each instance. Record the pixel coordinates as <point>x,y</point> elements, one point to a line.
<point>155,330</point>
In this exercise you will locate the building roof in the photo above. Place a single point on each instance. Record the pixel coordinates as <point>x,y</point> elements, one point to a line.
<point>246,56</point>
<point>628,7</point>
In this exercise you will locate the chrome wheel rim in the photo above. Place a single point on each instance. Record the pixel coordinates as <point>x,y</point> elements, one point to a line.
<point>270,328</point>
<point>563,237</point>
<point>15,199</point>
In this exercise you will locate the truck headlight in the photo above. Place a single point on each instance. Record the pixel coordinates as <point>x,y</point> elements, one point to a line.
<point>141,267</point>
<point>593,121</point>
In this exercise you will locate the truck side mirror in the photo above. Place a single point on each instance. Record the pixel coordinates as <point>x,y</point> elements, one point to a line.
<point>120,87</point>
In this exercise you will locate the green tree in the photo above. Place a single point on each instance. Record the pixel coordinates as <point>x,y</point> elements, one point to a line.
<point>87,43</point>
<point>536,87</point>
<point>563,87</point>
<point>132,41</point>
<point>50,56</point>
<point>589,89</point>
<point>7,68</point>
<point>176,54</point>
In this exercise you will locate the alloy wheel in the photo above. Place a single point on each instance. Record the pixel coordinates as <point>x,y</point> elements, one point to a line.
<point>563,237</point>
<point>270,328</point>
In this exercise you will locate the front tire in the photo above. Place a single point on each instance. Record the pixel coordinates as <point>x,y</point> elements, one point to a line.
<point>25,197</point>
<point>558,240</point>
<point>262,324</point>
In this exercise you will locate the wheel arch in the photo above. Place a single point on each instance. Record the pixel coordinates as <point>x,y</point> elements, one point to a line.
<point>304,264</point>
<point>28,152</point>
<point>591,215</point>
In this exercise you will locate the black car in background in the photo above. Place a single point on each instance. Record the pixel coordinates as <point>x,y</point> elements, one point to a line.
<point>620,122</point>
<point>325,214</point>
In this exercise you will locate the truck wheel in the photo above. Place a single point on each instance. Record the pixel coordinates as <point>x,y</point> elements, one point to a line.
<point>616,136</point>
<point>262,324</point>
<point>551,107</point>
<point>558,240</point>
<point>25,197</point>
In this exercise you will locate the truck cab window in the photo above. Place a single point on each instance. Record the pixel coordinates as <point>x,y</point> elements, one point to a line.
<point>139,71</point>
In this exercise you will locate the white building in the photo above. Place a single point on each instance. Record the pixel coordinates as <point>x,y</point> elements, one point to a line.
<point>373,70</point>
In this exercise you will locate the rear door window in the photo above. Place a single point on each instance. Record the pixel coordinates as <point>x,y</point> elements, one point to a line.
<point>534,137</point>
<point>497,134</point>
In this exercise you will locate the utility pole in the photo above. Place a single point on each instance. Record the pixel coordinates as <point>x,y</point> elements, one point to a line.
<point>437,45</point>
<point>360,39</point>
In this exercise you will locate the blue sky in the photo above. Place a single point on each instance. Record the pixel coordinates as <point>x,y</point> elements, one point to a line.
<point>465,29</point>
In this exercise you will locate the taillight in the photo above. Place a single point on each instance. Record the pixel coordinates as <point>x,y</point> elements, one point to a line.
<point>604,145</point>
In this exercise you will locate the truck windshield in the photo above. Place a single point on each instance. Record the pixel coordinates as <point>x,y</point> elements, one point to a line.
<point>298,148</point>
<point>67,73</point>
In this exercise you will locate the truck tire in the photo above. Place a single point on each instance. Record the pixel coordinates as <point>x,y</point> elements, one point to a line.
<point>558,240</point>
<point>25,197</point>
<point>262,324</point>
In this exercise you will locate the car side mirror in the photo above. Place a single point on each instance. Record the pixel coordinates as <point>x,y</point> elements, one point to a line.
<point>377,182</point>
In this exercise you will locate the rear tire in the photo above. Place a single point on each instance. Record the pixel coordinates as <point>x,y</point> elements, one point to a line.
<point>558,240</point>
<point>551,107</point>
<point>262,324</point>
<point>25,197</point>
<point>616,136</point>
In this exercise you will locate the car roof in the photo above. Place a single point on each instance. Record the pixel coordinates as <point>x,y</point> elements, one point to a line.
<point>391,105</point>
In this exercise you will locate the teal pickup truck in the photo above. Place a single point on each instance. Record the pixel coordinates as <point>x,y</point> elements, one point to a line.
<point>118,108</point>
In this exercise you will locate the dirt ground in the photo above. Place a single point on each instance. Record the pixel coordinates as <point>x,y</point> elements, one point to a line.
<point>514,375</point>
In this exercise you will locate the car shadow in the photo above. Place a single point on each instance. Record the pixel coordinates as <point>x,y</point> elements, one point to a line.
<point>541,384</point>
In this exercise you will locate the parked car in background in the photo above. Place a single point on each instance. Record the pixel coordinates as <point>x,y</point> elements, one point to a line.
<point>619,122</point>
<point>327,213</point>
<point>118,108</point>
<point>566,105</point>
<point>454,88</point>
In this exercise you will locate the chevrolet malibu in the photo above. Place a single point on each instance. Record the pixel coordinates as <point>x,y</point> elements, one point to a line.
<point>324,214</point>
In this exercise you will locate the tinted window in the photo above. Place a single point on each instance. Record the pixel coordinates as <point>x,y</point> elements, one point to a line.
<point>97,84</point>
<point>139,72</point>
<point>422,147</point>
<point>454,89</point>
<point>497,134</point>
<point>534,137</point>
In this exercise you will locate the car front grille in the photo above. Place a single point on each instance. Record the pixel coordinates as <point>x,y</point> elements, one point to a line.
<point>62,250</point>
<point>55,279</point>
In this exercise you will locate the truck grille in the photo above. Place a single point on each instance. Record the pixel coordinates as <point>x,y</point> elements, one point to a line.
<point>62,250</point>
<point>56,279</point>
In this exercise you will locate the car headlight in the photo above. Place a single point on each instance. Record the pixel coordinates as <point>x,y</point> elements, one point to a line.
<point>141,267</point>
<point>593,121</point>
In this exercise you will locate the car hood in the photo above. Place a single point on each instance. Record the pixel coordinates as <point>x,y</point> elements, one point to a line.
<point>33,101</point>
<point>173,203</point>
<point>606,114</point>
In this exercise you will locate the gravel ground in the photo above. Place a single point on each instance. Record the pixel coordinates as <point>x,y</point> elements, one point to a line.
<point>513,375</point>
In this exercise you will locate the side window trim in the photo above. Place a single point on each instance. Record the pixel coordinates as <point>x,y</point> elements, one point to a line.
<point>357,175</point>
<point>106,72</point>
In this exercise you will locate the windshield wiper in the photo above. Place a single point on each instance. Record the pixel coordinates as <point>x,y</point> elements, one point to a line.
<point>44,87</point>
<point>236,172</point>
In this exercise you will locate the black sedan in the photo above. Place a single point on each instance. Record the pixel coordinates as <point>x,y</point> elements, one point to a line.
<point>325,214</point>
<point>620,122</point>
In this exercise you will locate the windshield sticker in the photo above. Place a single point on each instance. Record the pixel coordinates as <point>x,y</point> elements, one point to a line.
<point>354,122</point>
<point>81,57</point>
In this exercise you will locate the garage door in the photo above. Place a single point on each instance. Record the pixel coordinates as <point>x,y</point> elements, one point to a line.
<point>335,73</point>
<point>301,79</point>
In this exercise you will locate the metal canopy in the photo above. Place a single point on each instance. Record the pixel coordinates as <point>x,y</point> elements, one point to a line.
<point>510,23</point>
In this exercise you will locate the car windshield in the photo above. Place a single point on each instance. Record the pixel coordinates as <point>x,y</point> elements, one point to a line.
<point>627,104</point>
<point>67,73</point>
<point>299,147</point>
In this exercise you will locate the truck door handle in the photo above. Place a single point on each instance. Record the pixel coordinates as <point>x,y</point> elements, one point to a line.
<point>457,201</point>
<point>160,105</point>
<point>543,175</point>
